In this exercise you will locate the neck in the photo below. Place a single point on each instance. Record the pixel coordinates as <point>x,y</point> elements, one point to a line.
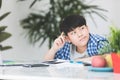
<point>81,49</point>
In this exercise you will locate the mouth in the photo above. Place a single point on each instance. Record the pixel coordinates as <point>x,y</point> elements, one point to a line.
<point>82,39</point>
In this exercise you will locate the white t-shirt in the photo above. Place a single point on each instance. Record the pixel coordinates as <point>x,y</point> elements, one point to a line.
<point>75,55</point>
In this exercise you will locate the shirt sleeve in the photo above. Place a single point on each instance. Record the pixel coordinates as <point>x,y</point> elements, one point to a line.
<point>64,52</point>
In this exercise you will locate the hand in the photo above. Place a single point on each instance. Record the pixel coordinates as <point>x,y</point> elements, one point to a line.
<point>59,42</point>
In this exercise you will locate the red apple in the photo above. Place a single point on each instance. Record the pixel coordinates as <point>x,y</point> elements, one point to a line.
<point>98,61</point>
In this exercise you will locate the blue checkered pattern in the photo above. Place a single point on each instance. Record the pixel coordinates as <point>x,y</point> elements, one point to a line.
<point>95,43</point>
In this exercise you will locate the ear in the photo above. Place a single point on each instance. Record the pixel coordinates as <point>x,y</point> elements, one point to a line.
<point>67,39</point>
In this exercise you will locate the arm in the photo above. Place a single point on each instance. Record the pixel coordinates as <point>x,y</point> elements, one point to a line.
<point>58,43</point>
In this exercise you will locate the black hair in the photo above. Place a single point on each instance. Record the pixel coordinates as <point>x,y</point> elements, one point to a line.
<point>71,22</point>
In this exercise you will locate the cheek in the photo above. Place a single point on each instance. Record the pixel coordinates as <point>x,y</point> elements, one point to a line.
<point>73,40</point>
<point>86,32</point>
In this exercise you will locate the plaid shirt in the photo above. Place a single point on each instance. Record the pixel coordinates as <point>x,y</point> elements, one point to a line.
<point>94,44</point>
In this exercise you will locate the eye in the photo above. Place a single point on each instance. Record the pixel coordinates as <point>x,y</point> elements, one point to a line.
<point>82,27</point>
<point>73,32</point>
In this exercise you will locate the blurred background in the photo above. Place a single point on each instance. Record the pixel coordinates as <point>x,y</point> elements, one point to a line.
<point>34,23</point>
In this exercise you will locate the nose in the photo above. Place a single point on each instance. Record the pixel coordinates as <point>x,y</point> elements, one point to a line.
<point>79,34</point>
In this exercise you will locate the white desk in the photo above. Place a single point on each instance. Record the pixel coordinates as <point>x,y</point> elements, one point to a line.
<point>54,73</point>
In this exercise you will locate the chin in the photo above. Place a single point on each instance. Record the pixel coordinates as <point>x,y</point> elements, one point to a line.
<point>81,44</point>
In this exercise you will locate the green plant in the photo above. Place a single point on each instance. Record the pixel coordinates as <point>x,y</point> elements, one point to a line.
<point>114,39</point>
<point>44,25</point>
<point>3,35</point>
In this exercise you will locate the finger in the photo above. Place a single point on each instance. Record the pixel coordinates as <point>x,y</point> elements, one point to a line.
<point>62,39</point>
<point>58,41</point>
<point>62,34</point>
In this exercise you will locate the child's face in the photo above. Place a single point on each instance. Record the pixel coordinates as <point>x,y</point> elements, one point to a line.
<point>79,36</point>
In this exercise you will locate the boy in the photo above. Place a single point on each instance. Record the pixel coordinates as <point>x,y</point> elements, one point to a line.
<point>75,41</point>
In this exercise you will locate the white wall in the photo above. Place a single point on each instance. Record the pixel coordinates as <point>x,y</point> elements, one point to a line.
<point>22,50</point>
<point>112,15</point>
